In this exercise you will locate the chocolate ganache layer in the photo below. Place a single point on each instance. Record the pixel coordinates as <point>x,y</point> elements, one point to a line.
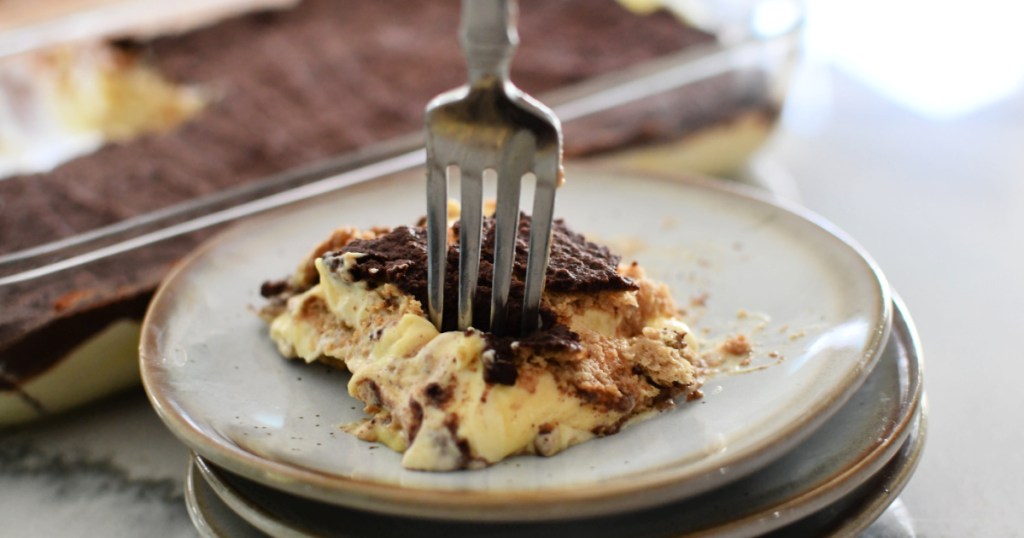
<point>400,258</point>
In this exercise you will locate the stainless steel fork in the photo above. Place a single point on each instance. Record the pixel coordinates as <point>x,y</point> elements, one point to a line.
<point>490,124</point>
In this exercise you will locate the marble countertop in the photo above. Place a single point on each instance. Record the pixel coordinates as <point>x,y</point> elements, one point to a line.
<point>111,469</point>
<point>937,199</point>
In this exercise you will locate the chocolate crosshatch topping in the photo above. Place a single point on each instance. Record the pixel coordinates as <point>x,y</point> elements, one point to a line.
<point>400,258</point>
<point>575,265</point>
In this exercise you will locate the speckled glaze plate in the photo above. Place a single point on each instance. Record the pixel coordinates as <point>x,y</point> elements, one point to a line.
<point>815,306</point>
<point>817,478</point>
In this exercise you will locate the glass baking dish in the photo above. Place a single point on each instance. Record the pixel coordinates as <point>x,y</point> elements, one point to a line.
<point>71,307</point>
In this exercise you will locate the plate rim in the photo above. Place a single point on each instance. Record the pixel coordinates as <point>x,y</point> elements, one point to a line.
<point>892,480</point>
<point>659,484</point>
<point>851,476</point>
<point>910,423</point>
<point>897,474</point>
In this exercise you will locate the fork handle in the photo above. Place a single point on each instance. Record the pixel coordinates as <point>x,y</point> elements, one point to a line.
<point>489,38</point>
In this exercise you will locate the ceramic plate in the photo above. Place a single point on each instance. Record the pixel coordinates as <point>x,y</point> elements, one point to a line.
<point>850,516</point>
<point>812,478</point>
<point>211,517</point>
<point>817,309</point>
<point>866,507</point>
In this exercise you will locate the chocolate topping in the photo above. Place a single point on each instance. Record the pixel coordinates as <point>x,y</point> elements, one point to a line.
<point>575,265</point>
<point>400,258</point>
<point>501,366</point>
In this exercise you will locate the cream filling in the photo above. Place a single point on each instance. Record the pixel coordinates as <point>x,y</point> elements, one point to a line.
<point>102,365</point>
<point>425,390</point>
<point>67,101</point>
<point>718,150</point>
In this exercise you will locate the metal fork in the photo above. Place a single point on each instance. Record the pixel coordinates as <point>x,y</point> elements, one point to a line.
<point>490,124</point>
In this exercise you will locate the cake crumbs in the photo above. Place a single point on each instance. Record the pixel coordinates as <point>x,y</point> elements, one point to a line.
<point>738,345</point>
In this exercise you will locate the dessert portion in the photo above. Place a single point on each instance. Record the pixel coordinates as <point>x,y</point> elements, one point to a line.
<point>611,347</point>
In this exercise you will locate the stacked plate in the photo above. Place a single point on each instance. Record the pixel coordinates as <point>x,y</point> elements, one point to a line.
<point>816,433</point>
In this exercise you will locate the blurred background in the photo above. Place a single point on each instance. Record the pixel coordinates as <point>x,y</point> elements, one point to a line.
<point>905,127</point>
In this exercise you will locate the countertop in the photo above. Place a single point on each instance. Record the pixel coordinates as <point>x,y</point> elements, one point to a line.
<point>936,198</point>
<point>930,180</point>
<point>940,206</point>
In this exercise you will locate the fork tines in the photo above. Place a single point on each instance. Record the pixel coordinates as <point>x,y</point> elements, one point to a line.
<point>490,125</point>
